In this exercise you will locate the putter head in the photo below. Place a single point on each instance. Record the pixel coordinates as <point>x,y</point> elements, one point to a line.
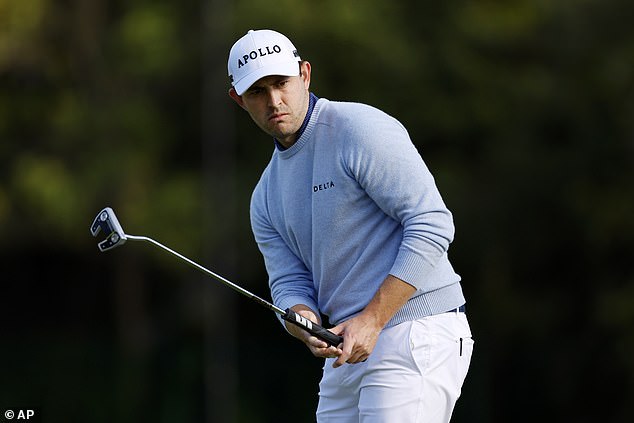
<point>107,221</point>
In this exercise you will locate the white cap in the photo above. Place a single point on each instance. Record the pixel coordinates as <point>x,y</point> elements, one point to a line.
<point>258,54</point>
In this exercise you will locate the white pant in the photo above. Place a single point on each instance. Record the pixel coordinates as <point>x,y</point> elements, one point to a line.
<point>414,375</point>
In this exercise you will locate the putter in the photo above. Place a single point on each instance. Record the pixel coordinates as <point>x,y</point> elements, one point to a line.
<point>107,222</point>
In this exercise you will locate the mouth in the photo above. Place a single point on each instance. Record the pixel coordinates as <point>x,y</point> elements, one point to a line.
<point>277,116</point>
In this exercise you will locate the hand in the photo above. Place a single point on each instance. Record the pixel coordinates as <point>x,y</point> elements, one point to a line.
<point>317,347</point>
<point>321,349</point>
<point>360,334</point>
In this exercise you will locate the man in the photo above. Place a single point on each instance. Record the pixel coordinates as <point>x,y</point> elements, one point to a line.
<point>352,227</point>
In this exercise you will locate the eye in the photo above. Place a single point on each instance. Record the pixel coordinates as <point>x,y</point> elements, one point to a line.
<point>254,91</point>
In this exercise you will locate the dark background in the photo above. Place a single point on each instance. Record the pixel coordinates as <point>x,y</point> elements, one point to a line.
<point>523,110</point>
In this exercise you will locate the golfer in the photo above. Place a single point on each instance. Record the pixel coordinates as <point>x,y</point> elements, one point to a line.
<point>352,227</point>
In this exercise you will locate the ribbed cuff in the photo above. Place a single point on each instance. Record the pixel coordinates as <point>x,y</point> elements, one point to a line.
<point>411,268</point>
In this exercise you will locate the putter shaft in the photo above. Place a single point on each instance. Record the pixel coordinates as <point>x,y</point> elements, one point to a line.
<point>208,272</point>
<point>107,222</point>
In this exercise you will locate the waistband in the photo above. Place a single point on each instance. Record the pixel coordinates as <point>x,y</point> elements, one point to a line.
<point>461,309</point>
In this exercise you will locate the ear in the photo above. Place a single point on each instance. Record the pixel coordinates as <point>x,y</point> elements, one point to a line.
<point>304,69</point>
<point>234,95</point>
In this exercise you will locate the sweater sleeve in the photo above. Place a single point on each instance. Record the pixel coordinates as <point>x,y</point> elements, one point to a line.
<point>387,165</point>
<point>290,281</point>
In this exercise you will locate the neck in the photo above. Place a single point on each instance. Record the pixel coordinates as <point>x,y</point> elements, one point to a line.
<point>288,142</point>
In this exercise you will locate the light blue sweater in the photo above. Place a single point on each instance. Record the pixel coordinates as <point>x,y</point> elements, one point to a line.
<point>349,203</point>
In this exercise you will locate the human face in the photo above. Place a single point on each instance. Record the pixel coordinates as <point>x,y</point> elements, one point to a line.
<point>278,104</point>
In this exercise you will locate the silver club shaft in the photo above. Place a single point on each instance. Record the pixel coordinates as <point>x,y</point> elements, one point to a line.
<point>208,272</point>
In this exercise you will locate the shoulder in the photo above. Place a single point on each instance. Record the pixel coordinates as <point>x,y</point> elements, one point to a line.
<point>361,125</point>
<point>353,113</point>
<point>352,119</point>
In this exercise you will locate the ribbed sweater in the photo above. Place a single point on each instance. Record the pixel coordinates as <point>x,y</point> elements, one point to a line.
<point>349,203</point>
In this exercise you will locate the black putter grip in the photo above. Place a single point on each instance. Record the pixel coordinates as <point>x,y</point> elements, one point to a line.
<point>312,327</point>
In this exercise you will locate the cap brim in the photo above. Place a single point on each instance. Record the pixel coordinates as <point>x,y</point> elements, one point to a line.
<point>283,69</point>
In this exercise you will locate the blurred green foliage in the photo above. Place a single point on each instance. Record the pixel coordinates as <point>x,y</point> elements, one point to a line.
<point>522,109</point>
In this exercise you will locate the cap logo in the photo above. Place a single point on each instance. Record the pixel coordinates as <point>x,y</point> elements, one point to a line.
<point>254,54</point>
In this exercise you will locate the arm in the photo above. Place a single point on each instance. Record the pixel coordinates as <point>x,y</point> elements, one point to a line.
<point>390,170</point>
<point>289,280</point>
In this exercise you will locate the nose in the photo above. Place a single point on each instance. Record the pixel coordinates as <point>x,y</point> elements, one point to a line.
<point>275,97</point>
